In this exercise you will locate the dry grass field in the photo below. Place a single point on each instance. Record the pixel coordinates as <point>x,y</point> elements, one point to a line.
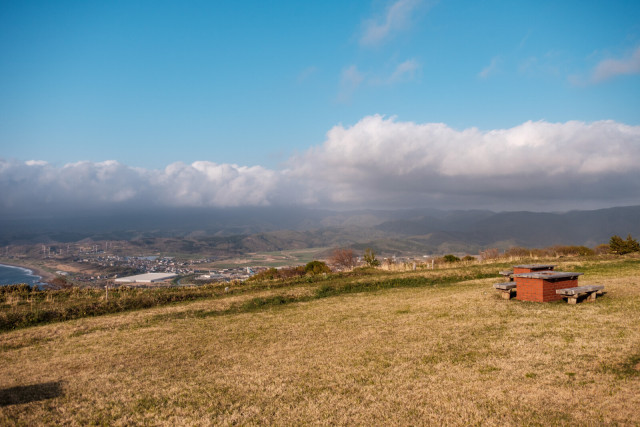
<point>452,354</point>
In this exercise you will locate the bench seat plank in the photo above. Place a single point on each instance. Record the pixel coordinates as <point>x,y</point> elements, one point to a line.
<point>507,289</point>
<point>580,290</point>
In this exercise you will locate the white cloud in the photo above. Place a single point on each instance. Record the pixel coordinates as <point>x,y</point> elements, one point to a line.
<point>382,161</point>
<point>610,68</point>
<point>492,68</point>
<point>404,71</point>
<point>397,17</point>
<point>350,80</point>
<point>86,185</point>
<point>35,163</point>
<point>209,184</point>
<point>377,162</point>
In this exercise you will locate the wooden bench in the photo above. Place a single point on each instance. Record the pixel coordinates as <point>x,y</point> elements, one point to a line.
<point>573,294</point>
<point>507,273</point>
<point>507,289</point>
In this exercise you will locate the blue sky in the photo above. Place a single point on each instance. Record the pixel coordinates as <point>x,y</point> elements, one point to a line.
<point>261,84</point>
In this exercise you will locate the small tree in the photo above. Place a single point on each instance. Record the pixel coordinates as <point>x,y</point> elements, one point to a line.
<point>316,267</point>
<point>343,258</point>
<point>491,253</point>
<point>621,247</point>
<point>451,258</point>
<point>370,258</point>
<point>632,244</point>
<point>616,245</point>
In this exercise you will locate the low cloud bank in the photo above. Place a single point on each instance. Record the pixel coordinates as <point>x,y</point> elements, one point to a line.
<point>380,159</point>
<point>378,162</point>
<point>34,186</point>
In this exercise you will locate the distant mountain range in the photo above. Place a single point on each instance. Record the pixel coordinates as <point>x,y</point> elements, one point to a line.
<point>241,230</point>
<point>484,229</point>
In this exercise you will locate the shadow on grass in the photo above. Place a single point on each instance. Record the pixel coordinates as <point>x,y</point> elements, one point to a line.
<point>626,369</point>
<point>30,393</point>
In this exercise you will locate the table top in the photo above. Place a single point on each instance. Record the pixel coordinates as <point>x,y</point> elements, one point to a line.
<point>535,266</point>
<point>546,275</point>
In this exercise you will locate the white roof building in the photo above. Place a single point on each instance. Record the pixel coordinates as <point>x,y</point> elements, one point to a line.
<point>146,278</point>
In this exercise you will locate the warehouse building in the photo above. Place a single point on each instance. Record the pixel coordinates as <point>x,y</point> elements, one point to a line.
<point>146,278</point>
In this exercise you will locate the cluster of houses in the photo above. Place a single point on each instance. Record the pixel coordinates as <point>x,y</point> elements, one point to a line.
<point>155,269</point>
<point>229,274</point>
<point>148,264</point>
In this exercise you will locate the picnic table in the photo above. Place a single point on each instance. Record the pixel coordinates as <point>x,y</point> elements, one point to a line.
<point>540,283</point>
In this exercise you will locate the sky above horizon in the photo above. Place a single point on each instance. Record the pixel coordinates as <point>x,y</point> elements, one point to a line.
<point>405,103</point>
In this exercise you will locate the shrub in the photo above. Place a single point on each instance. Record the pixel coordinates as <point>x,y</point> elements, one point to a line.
<point>288,273</point>
<point>545,252</point>
<point>517,251</point>
<point>21,288</point>
<point>284,273</point>
<point>370,258</point>
<point>269,274</point>
<point>316,267</point>
<point>60,282</point>
<point>450,258</point>
<point>572,250</point>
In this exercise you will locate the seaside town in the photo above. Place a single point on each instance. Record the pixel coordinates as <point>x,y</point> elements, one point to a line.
<point>96,265</point>
<point>112,263</point>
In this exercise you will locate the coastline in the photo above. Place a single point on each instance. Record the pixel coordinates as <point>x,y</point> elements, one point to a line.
<point>45,276</point>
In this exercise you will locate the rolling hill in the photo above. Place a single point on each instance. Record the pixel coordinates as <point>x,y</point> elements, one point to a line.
<point>237,231</point>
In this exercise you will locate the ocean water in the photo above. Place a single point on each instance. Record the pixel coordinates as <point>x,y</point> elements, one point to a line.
<point>13,275</point>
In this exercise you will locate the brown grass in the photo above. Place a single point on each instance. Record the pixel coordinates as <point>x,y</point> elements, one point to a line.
<point>454,354</point>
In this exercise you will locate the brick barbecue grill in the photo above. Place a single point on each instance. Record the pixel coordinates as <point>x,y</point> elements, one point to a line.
<point>541,285</point>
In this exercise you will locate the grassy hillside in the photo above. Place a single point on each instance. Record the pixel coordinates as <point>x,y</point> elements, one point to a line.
<point>378,348</point>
